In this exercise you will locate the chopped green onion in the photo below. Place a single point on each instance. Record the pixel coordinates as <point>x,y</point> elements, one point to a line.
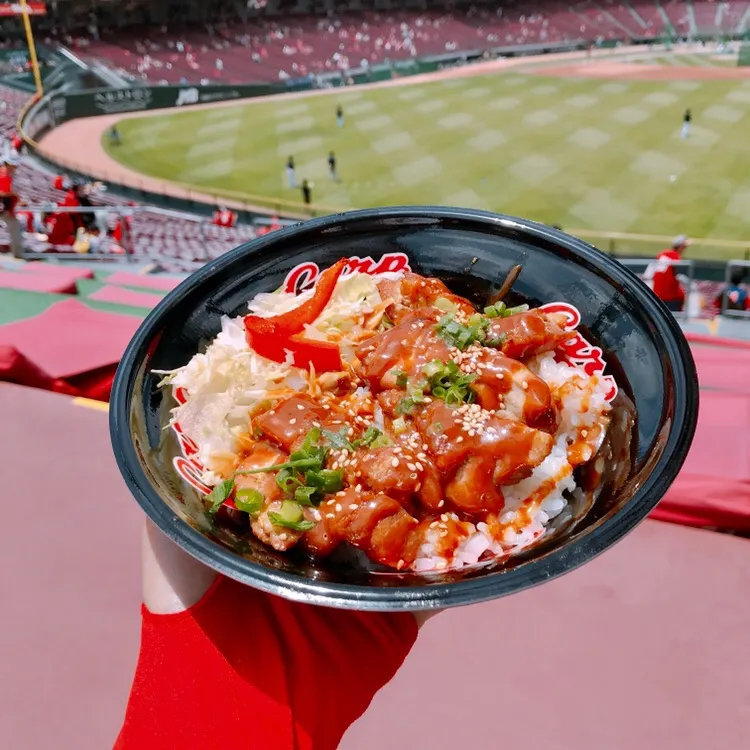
<point>327,480</point>
<point>490,311</point>
<point>304,495</point>
<point>249,500</point>
<point>381,441</point>
<point>432,368</point>
<point>462,336</point>
<point>219,494</point>
<point>372,433</point>
<point>436,428</point>
<point>338,440</point>
<point>496,342</point>
<point>300,463</point>
<point>399,425</point>
<point>401,378</point>
<point>290,511</point>
<point>385,323</point>
<point>405,406</point>
<point>301,525</point>
<point>516,310</point>
<point>444,304</point>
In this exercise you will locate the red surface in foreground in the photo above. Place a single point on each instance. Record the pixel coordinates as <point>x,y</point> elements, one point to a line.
<point>615,655</point>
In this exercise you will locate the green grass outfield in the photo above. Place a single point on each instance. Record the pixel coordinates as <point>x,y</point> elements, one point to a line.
<point>583,153</point>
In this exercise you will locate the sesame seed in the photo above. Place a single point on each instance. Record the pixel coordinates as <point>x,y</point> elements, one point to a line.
<point>434,524</point>
<point>411,467</point>
<point>340,493</point>
<point>441,564</point>
<point>293,420</point>
<point>472,433</point>
<point>460,439</point>
<point>398,449</point>
<point>400,564</point>
<point>316,424</point>
<point>418,487</point>
<point>524,385</point>
<point>441,503</point>
<point>358,488</point>
<point>301,407</point>
<point>422,456</point>
<point>330,515</point>
<point>394,463</point>
<point>338,508</point>
<point>326,407</point>
<point>353,506</point>
<point>404,342</point>
<point>427,399</point>
<point>413,476</point>
<point>358,474</point>
<point>425,447</point>
<point>584,433</point>
<point>316,515</point>
<point>283,536</point>
<point>444,517</point>
<point>419,466</point>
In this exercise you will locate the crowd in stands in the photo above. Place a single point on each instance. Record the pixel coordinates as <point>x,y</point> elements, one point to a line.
<point>272,47</point>
<point>138,230</point>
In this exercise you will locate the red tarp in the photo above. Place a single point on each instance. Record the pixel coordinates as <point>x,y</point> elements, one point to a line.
<point>713,488</point>
<point>37,282</point>
<point>50,269</point>
<point>69,348</point>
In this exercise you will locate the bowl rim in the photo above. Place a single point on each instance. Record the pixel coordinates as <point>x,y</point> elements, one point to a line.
<point>550,565</point>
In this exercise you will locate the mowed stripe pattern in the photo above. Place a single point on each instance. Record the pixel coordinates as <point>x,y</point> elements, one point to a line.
<point>584,153</point>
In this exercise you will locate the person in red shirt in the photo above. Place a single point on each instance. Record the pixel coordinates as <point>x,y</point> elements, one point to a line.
<point>661,274</point>
<point>224,666</point>
<point>224,217</point>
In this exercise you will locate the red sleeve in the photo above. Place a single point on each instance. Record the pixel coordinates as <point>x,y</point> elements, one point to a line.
<point>246,669</point>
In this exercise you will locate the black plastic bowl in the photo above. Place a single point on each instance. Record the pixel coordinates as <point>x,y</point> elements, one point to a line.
<point>472,252</point>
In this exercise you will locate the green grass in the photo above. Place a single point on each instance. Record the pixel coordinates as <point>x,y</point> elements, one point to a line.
<point>583,153</point>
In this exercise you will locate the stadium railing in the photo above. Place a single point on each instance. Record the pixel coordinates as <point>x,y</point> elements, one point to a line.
<point>741,314</point>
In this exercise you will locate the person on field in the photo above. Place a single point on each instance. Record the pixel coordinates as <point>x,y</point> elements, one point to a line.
<point>332,166</point>
<point>296,679</point>
<point>662,277</point>
<point>340,116</point>
<point>687,118</point>
<point>290,173</point>
<point>114,136</point>
<point>306,193</point>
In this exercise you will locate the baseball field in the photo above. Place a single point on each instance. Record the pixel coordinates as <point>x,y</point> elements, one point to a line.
<point>592,150</point>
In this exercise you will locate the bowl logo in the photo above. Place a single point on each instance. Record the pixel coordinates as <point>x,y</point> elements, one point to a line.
<point>575,351</point>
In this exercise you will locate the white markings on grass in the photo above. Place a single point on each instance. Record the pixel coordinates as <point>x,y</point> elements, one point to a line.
<point>486,140</point>
<point>722,113</point>
<point>378,122</point>
<point>203,148</point>
<point>540,118</point>
<point>738,95</point>
<point>477,92</point>
<point>684,85</point>
<point>209,170</point>
<point>228,124</point>
<point>466,198</point>
<point>291,110</point>
<point>458,120</point>
<point>411,92</point>
<point>546,89</point>
<point>533,169</point>
<point>739,205</point>
<point>589,138</point>
<point>359,108</point>
<point>307,143</point>
<point>295,123</point>
<point>656,164</point>
<point>699,136</point>
<point>419,170</point>
<point>393,142</point>
<point>515,81</point>
<point>599,204</point>
<point>431,105</point>
<point>504,103</point>
<point>630,115</point>
<point>661,99</point>
<point>582,101</point>
<point>614,88</point>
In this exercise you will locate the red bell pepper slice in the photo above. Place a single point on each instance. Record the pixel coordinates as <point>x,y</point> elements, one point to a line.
<point>264,338</point>
<point>273,337</point>
<point>295,320</point>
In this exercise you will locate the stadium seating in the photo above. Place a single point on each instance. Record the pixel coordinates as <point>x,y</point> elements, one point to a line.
<point>177,240</point>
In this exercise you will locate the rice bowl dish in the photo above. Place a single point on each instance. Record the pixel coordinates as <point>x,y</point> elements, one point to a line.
<point>377,410</point>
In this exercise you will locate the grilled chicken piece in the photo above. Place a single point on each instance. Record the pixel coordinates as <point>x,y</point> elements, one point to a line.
<point>529,333</point>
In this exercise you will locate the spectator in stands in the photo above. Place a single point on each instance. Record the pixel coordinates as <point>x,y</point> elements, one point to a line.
<point>664,280</point>
<point>290,173</point>
<point>223,217</point>
<point>8,200</point>
<point>61,182</point>
<point>735,296</point>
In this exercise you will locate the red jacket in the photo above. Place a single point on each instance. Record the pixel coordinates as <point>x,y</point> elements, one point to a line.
<point>665,284</point>
<point>243,669</point>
